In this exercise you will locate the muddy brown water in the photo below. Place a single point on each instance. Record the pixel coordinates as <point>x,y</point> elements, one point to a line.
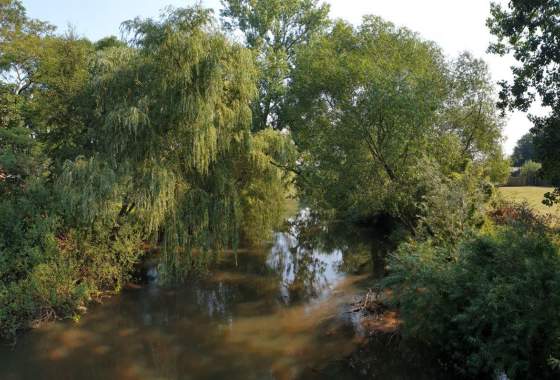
<point>280,313</point>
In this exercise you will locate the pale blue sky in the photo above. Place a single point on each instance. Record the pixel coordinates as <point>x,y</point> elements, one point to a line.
<point>456,25</point>
<point>96,19</point>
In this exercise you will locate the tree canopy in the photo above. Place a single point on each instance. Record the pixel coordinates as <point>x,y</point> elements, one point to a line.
<point>524,150</point>
<point>112,147</point>
<point>172,138</point>
<point>529,30</point>
<point>274,30</point>
<point>370,107</point>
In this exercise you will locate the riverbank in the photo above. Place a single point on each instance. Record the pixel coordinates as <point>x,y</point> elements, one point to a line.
<point>380,349</point>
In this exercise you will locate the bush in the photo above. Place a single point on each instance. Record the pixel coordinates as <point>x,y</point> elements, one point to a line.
<point>488,305</point>
<point>48,270</point>
<point>452,207</point>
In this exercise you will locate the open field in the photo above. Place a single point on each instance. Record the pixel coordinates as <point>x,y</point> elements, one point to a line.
<point>532,195</point>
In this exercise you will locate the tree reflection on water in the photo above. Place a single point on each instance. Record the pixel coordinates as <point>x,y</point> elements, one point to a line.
<point>273,313</point>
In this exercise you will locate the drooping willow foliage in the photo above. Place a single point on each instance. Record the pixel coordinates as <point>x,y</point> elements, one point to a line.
<point>112,149</point>
<point>173,141</point>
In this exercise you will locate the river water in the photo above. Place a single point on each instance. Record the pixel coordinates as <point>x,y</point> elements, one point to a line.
<point>280,312</point>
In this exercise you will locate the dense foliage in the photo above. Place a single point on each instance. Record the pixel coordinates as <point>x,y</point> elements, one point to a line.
<point>112,147</point>
<point>173,144</point>
<point>274,30</point>
<point>376,111</point>
<point>529,30</point>
<point>524,150</point>
<point>176,139</point>
<point>490,302</point>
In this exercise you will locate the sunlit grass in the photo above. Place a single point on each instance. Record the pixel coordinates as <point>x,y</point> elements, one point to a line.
<point>533,195</point>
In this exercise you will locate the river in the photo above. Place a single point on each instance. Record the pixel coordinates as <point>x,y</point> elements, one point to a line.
<point>279,312</point>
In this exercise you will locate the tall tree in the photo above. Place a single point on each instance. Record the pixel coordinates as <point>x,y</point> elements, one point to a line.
<point>363,109</point>
<point>529,30</point>
<point>375,109</point>
<point>524,150</point>
<point>172,140</point>
<point>274,30</point>
<point>21,48</point>
<point>470,110</point>
<point>43,78</point>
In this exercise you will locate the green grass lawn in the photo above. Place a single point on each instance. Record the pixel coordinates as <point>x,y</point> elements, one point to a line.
<point>532,195</point>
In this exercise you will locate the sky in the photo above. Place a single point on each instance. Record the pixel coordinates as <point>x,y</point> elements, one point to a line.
<point>456,25</point>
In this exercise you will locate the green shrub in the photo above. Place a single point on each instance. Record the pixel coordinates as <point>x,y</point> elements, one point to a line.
<point>48,270</point>
<point>488,305</point>
<point>453,206</point>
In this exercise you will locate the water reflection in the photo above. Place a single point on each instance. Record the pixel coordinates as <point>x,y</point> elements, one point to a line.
<point>275,313</point>
<point>304,273</point>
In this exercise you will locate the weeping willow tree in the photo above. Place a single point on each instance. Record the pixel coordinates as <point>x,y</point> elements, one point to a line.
<point>174,151</point>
